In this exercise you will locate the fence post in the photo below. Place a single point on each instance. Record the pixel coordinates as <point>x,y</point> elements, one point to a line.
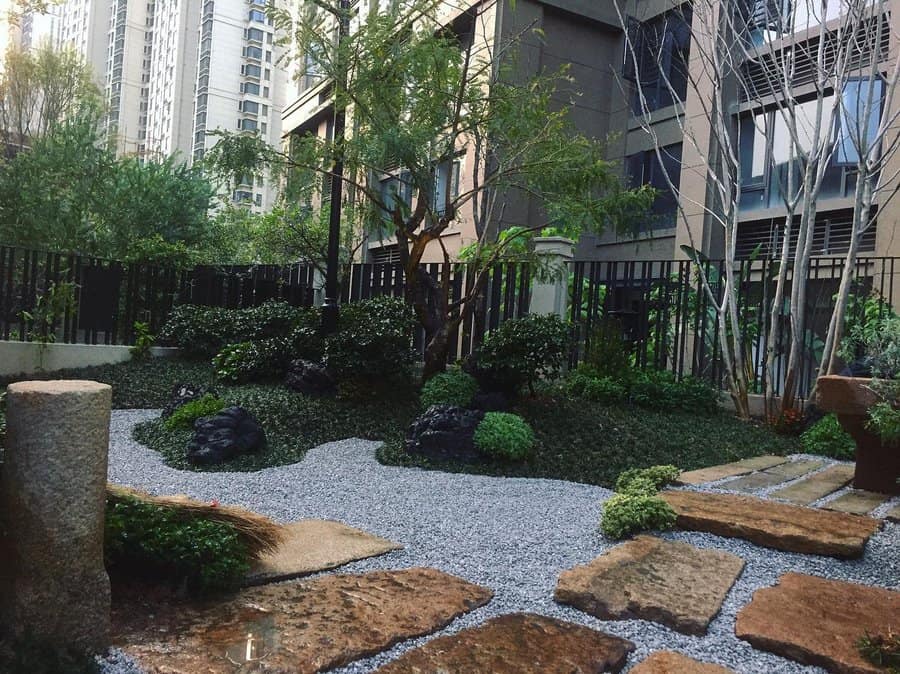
<point>551,296</point>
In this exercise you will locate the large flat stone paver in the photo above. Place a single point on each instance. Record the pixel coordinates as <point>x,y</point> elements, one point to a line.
<point>316,545</point>
<point>301,627</point>
<point>670,662</point>
<point>818,621</point>
<point>649,578</point>
<point>519,643</point>
<point>857,501</point>
<point>893,514</point>
<point>771,524</point>
<point>773,476</point>
<point>817,486</point>
<point>742,467</point>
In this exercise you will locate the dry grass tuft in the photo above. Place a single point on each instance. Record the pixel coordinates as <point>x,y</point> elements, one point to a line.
<point>259,533</point>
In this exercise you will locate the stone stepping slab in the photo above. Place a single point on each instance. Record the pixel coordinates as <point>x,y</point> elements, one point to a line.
<point>857,502</point>
<point>817,486</point>
<point>742,467</point>
<point>773,476</point>
<point>519,643</point>
<point>316,545</point>
<point>670,662</point>
<point>817,621</point>
<point>771,524</point>
<point>893,514</point>
<point>301,627</point>
<point>649,578</point>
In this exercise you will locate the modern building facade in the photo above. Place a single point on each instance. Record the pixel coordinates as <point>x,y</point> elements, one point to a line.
<point>175,70</point>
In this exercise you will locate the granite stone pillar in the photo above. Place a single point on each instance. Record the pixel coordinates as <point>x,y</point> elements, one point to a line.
<point>53,583</point>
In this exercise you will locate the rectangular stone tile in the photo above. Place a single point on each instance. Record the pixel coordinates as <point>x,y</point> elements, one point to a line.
<point>893,514</point>
<point>648,578</point>
<point>817,486</point>
<point>734,469</point>
<point>518,643</point>
<point>857,501</point>
<point>772,476</point>
<point>817,621</point>
<point>316,545</point>
<point>772,524</point>
<point>670,662</point>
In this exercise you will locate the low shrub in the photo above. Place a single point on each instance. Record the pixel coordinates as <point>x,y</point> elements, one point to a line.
<point>827,438</point>
<point>653,389</point>
<point>583,383</point>
<point>155,542</point>
<point>505,436</point>
<point>520,351</point>
<point>625,514</point>
<point>372,350</point>
<point>634,480</point>
<point>449,388</point>
<point>607,351</point>
<point>788,422</point>
<point>185,415</point>
<point>252,361</point>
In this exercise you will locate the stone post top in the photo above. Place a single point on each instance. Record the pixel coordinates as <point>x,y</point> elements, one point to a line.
<point>58,386</point>
<point>557,245</point>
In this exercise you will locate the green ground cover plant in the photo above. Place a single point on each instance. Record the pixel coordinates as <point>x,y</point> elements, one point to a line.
<point>187,414</point>
<point>592,443</point>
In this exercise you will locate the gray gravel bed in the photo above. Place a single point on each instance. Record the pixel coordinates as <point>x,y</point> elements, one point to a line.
<point>512,535</point>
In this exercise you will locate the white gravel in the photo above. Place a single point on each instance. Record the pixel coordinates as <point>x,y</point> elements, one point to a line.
<point>512,535</point>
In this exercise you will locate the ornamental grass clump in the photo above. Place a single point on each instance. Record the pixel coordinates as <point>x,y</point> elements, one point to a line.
<point>455,388</point>
<point>637,506</point>
<point>504,436</point>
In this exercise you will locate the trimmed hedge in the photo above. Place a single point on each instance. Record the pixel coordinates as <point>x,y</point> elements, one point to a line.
<point>449,388</point>
<point>504,436</point>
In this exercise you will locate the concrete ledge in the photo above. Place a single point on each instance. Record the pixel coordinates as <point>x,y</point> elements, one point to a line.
<point>24,358</point>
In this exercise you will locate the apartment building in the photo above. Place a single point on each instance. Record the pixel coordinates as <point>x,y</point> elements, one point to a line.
<point>175,70</point>
<point>582,34</point>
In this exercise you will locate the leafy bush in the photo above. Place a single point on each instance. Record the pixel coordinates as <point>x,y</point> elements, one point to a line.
<point>202,332</point>
<point>625,514</point>
<point>634,480</point>
<point>884,420</point>
<point>372,350</point>
<point>827,438</point>
<point>449,388</point>
<point>185,415</point>
<point>143,341</point>
<point>607,352</point>
<point>157,542</point>
<point>584,383</point>
<point>881,650</point>
<point>660,389</point>
<point>505,436</point>
<point>252,361</point>
<point>521,351</point>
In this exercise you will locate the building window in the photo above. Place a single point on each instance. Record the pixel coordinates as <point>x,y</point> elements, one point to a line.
<point>442,199</point>
<point>254,34</point>
<point>645,168</point>
<point>251,70</point>
<point>854,131</point>
<point>241,196</point>
<point>257,15</point>
<point>251,107</point>
<point>247,125</point>
<point>253,52</point>
<point>250,88</point>
<point>658,61</point>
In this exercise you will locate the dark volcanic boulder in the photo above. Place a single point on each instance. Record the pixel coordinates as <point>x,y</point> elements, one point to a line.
<point>231,432</point>
<point>184,393</point>
<point>309,378</point>
<point>444,432</point>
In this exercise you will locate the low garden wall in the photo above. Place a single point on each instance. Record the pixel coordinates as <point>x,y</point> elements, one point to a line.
<point>29,357</point>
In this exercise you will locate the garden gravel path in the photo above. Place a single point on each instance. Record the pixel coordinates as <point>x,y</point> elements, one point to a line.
<point>513,535</point>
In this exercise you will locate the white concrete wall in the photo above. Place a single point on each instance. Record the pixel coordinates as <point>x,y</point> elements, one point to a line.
<point>25,357</point>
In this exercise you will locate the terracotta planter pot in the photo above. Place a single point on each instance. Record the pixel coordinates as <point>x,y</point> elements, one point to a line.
<point>877,464</point>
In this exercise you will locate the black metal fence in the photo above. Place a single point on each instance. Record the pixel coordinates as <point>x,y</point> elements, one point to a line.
<point>669,322</point>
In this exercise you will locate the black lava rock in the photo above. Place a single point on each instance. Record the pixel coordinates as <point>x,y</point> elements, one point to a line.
<point>231,432</point>
<point>182,394</point>
<point>445,432</point>
<point>310,378</point>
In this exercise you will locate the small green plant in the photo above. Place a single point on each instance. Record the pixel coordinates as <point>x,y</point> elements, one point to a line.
<point>607,351</point>
<point>159,543</point>
<point>634,480</point>
<point>253,361</point>
<point>827,438</point>
<point>584,383</point>
<point>43,319</point>
<point>504,435</point>
<point>143,341</point>
<point>625,514</point>
<point>881,650</point>
<point>449,388</point>
<point>185,415</point>
<point>637,506</point>
<point>884,420</point>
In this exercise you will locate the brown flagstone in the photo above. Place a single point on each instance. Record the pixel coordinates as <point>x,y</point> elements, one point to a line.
<point>670,662</point>
<point>742,467</point>
<point>648,578</point>
<point>772,476</point>
<point>857,502</point>
<point>519,643</point>
<point>771,524</point>
<point>817,621</point>
<point>818,485</point>
<point>300,627</point>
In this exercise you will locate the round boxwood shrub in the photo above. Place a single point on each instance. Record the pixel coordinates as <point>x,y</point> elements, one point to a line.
<point>625,514</point>
<point>187,414</point>
<point>449,388</point>
<point>504,435</point>
<point>827,438</point>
